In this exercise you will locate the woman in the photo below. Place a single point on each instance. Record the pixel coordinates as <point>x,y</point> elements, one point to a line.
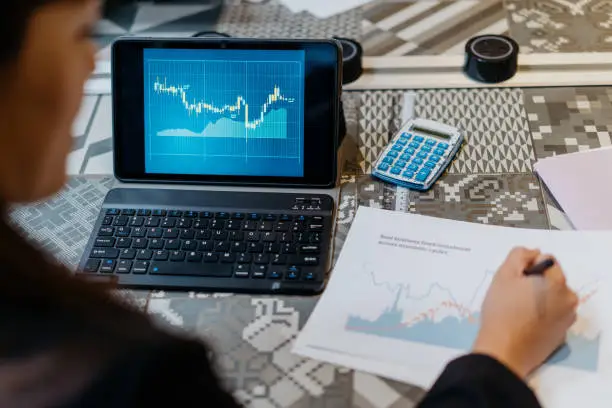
<point>64,343</point>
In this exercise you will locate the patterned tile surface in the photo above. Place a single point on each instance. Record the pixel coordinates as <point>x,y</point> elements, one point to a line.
<point>493,121</point>
<point>561,25</point>
<point>428,27</point>
<point>566,120</point>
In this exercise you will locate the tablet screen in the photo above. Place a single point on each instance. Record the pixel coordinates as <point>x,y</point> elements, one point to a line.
<point>224,112</point>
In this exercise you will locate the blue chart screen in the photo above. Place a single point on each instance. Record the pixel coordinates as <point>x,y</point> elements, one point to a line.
<point>224,112</point>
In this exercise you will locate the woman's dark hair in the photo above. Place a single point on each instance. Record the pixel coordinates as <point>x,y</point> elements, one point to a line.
<point>14,19</point>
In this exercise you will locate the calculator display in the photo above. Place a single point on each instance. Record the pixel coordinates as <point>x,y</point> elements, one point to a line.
<point>431,132</point>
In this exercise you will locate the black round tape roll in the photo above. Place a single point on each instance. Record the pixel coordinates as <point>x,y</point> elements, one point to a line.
<point>352,60</point>
<point>491,58</point>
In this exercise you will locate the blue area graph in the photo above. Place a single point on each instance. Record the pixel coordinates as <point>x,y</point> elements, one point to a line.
<point>459,332</point>
<point>224,112</point>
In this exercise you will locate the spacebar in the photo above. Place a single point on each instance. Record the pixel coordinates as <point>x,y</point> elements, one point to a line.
<point>191,269</point>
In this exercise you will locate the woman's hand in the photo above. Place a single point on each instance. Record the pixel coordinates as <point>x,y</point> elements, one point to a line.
<point>524,319</point>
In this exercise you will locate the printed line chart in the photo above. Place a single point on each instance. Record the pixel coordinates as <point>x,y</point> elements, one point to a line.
<point>437,318</point>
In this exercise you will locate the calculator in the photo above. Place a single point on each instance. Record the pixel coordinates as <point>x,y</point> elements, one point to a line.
<point>418,154</point>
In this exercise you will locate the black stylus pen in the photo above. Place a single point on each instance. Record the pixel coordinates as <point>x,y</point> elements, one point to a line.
<point>539,268</point>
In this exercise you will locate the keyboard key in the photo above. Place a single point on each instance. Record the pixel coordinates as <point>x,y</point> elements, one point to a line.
<point>175,213</point>
<point>189,245</point>
<point>158,213</point>
<point>211,257</point>
<point>187,234</point>
<point>128,212</point>
<point>139,232</point>
<point>121,221</point>
<point>270,217</point>
<point>266,226</point>
<point>128,254</point>
<point>194,256</point>
<point>269,237</point>
<point>306,260</point>
<point>310,249</point>
<point>162,255</point>
<point>222,246</point>
<point>155,233</point>
<point>124,266</point>
<point>107,242</point>
<point>152,222</point>
<point>242,271</point>
<point>434,158</point>
<point>253,236</point>
<point>108,220</point>
<point>383,167</point>
<point>271,248</point>
<point>275,274</point>
<point>177,256</point>
<point>91,265</point>
<point>422,155</point>
<point>206,214</point>
<point>238,216</point>
<point>233,225</point>
<point>144,255</point>
<point>288,249</point>
<point>172,244</point>
<point>254,217</point>
<point>228,257</point>
<point>278,259</point>
<point>141,267</point>
<point>255,247</point>
<point>185,223</point>
<point>140,243</point>
<point>217,224</point>
<point>108,266</point>
<point>236,236</point>
<point>204,246</point>
<point>397,147</point>
<point>396,170</point>
<point>286,217</point>
<point>316,227</point>
<point>262,259</point>
<point>203,234</point>
<point>171,233</point>
<point>401,163</point>
<point>220,235</point>
<point>258,274</point>
<point>414,145</point>
<point>201,224</point>
<point>439,152</point>
<point>168,222</point>
<point>113,211</point>
<point>124,243</point>
<point>190,214</point>
<point>222,216</point>
<point>418,138</point>
<point>191,269</point>
<point>244,258</point>
<point>156,243</point>
<point>143,213</point>
<point>238,247</point>
<point>430,142</point>
<point>292,273</point>
<point>109,253</point>
<point>259,269</point>
<point>393,154</point>
<point>310,276</point>
<point>430,164</point>
<point>408,174</point>
<point>249,225</point>
<point>106,232</point>
<point>315,238</point>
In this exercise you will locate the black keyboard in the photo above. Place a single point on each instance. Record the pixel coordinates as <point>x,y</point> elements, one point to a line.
<point>212,241</point>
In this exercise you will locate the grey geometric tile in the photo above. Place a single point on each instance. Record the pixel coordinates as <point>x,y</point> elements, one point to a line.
<point>494,124</point>
<point>560,25</point>
<point>566,120</point>
<point>252,338</point>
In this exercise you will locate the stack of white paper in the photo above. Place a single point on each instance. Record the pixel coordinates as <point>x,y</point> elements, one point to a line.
<point>405,296</point>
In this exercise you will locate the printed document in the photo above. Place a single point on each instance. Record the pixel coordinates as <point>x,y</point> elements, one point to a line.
<point>404,300</point>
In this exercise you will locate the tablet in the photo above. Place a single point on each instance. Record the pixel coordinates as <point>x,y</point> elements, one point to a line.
<point>226,111</point>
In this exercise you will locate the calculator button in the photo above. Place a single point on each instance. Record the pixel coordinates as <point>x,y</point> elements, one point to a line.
<point>405,157</point>
<point>422,155</point>
<point>430,142</point>
<point>392,153</point>
<point>417,161</point>
<point>407,135</point>
<point>413,167</point>
<point>434,158</point>
<point>402,141</point>
<point>397,147</point>
<point>408,174</point>
<point>401,163</point>
<point>430,164</point>
<point>409,151</point>
<point>383,167</point>
<point>426,149</point>
<point>388,160</point>
<point>420,177</point>
<point>419,138</point>
<point>396,170</point>
<point>424,172</point>
<point>439,152</point>
<point>414,145</point>
<point>443,145</point>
